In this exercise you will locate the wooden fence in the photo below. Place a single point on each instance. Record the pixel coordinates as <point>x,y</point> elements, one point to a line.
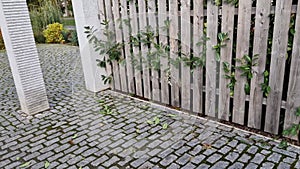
<point>233,62</point>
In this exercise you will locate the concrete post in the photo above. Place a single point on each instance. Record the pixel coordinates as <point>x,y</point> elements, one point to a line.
<point>86,13</point>
<point>23,56</point>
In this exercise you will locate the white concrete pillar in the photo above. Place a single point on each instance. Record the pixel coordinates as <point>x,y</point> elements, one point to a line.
<point>86,13</point>
<point>23,56</point>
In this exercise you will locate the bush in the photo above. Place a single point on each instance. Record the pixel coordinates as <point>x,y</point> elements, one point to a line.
<point>2,46</point>
<point>42,14</point>
<point>53,33</point>
<point>74,38</point>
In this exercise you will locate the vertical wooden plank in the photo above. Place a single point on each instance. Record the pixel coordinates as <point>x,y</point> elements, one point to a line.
<point>126,33</point>
<point>279,50</point>
<point>293,99</point>
<point>242,48</point>
<point>174,30</point>
<point>198,50</point>
<point>226,57</point>
<point>121,68</point>
<point>136,54</point>
<point>144,49</point>
<point>155,75</point>
<point>186,47</point>
<point>211,64</point>
<point>115,66</point>
<point>163,38</point>
<point>262,21</point>
<point>103,11</point>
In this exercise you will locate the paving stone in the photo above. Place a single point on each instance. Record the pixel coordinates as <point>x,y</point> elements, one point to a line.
<point>99,161</point>
<point>225,150</point>
<point>258,158</point>
<point>196,150</point>
<point>203,166</point>
<point>198,159</point>
<point>251,166</point>
<point>189,166</point>
<point>274,157</point>
<point>245,158</point>
<point>289,160</point>
<point>111,161</point>
<point>232,156</point>
<point>184,159</point>
<point>252,150</point>
<point>214,158</point>
<point>168,160</point>
<point>45,155</point>
<point>236,165</point>
<point>139,161</point>
<point>267,165</point>
<point>174,166</point>
<point>182,150</point>
<point>220,165</point>
<point>297,165</point>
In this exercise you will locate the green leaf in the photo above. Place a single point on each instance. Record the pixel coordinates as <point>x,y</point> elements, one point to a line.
<point>25,164</point>
<point>75,135</point>
<point>298,112</point>
<point>156,120</point>
<point>150,122</point>
<point>47,164</point>
<point>283,144</point>
<point>165,126</point>
<point>171,115</point>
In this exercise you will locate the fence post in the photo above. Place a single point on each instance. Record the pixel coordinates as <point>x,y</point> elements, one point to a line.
<point>86,13</point>
<point>23,56</point>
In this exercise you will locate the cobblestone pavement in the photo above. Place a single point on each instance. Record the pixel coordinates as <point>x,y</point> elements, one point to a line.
<point>110,130</point>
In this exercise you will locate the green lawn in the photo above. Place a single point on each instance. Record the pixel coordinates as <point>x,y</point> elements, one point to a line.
<point>68,21</point>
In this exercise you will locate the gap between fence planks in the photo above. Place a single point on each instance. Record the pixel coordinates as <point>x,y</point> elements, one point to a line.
<point>260,47</point>
<point>279,50</point>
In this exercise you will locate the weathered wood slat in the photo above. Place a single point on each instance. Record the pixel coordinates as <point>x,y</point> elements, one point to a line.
<point>163,38</point>
<point>186,47</point>
<point>174,71</point>
<point>260,47</point>
<point>226,57</point>
<point>198,34</point>
<point>154,73</point>
<point>293,99</point>
<point>114,69</point>
<point>144,49</point>
<point>126,32</point>
<point>253,11</point>
<point>117,67</point>
<point>242,48</point>
<point>211,64</point>
<point>136,52</point>
<point>279,50</point>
